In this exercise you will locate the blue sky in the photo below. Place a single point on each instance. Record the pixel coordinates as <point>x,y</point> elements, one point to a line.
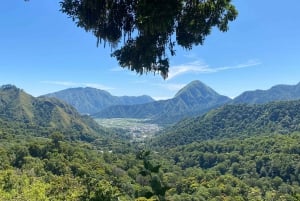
<point>42,51</point>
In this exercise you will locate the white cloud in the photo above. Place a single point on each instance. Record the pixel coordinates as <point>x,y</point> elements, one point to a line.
<point>157,98</point>
<point>200,67</point>
<point>245,65</point>
<point>78,84</point>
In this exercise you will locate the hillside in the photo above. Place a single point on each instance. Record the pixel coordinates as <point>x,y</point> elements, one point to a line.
<point>18,108</point>
<point>276,93</point>
<point>234,121</point>
<point>194,99</point>
<point>90,100</point>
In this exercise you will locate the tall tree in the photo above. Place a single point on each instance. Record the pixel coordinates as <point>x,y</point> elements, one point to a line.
<point>150,29</point>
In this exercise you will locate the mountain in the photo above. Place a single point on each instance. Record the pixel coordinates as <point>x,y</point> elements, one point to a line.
<point>276,93</point>
<point>194,99</point>
<point>234,121</point>
<point>90,100</point>
<point>48,114</point>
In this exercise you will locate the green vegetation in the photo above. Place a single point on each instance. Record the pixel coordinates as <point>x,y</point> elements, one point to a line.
<point>43,113</point>
<point>234,121</point>
<point>256,168</point>
<point>146,29</point>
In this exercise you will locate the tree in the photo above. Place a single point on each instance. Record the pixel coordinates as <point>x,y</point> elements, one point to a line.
<point>56,137</point>
<point>149,28</point>
<point>151,170</point>
<point>105,192</point>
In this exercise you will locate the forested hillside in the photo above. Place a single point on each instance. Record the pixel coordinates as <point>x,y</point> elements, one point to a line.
<point>260,168</point>
<point>234,121</point>
<point>41,116</point>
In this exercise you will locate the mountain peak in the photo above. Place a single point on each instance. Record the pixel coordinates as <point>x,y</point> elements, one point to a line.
<point>196,89</point>
<point>194,99</point>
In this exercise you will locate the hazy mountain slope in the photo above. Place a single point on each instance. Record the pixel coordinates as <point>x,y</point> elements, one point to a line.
<point>276,93</point>
<point>18,107</point>
<point>194,99</point>
<point>90,100</point>
<point>234,121</point>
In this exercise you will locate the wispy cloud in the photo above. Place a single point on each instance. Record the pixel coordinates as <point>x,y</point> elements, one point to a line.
<point>200,67</point>
<point>78,84</point>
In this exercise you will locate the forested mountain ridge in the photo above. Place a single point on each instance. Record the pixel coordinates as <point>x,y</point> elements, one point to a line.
<point>275,93</point>
<point>194,99</point>
<point>234,121</point>
<point>90,100</point>
<point>20,108</point>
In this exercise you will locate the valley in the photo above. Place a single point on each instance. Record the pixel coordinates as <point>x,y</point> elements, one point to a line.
<point>49,151</point>
<point>136,129</point>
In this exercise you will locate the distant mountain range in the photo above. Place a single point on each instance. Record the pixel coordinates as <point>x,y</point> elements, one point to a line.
<point>90,100</point>
<point>276,93</point>
<point>231,121</point>
<point>47,114</point>
<point>194,99</point>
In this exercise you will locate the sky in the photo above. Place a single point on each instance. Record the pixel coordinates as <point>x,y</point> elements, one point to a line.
<point>43,51</point>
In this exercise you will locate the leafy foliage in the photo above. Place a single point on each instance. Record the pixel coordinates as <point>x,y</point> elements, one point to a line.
<point>147,27</point>
<point>151,170</point>
<point>255,168</point>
